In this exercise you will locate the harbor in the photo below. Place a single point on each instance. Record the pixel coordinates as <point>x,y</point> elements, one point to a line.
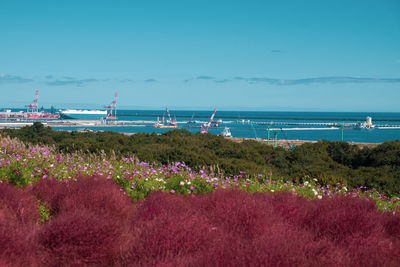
<point>255,129</point>
<point>262,125</point>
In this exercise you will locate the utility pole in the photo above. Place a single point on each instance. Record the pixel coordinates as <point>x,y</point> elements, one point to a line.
<point>342,126</point>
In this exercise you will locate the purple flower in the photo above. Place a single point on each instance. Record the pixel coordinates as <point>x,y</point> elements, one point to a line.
<point>172,191</point>
<point>133,185</point>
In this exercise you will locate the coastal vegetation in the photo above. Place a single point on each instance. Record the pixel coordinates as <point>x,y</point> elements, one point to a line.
<point>328,162</point>
<point>77,208</point>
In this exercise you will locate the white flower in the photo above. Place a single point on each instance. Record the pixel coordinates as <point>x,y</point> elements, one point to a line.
<point>319,197</point>
<point>272,190</point>
<point>344,188</point>
<point>315,180</point>
<point>305,183</point>
<point>182,183</point>
<point>315,192</point>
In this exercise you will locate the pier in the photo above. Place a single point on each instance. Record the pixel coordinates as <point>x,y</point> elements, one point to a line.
<point>5,123</point>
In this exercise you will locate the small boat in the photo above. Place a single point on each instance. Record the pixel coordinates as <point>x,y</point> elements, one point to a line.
<point>226,132</point>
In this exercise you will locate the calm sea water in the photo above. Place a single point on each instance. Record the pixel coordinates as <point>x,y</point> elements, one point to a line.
<point>254,124</point>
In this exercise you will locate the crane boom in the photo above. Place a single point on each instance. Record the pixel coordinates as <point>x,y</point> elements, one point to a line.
<point>169,116</point>
<point>209,123</point>
<point>112,108</point>
<point>171,122</point>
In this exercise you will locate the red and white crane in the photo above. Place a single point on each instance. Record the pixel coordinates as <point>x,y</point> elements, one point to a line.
<point>202,130</point>
<point>171,122</point>
<point>33,108</point>
<point>112,109</point>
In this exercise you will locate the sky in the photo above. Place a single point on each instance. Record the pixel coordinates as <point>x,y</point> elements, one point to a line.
<point>266,55</point>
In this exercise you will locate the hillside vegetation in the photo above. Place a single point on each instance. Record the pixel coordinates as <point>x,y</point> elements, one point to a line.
<point>328,162</point>
<point>100,209</point>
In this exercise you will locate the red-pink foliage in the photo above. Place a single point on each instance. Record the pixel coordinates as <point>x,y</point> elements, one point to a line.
<point>392,225</point>
<point>17,244</point>
<point>51,193</point>
<point>95,194</point>
<point>18,222</point>
<point>230,228</point>
<point>80,238</point>
<point>18,205</point>
<point>94,223</point>
<point>88,222</point>
<point>164,228</point>
<point>343,217</point>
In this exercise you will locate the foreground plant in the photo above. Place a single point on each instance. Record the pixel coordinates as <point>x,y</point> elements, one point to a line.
<point>93,222</point>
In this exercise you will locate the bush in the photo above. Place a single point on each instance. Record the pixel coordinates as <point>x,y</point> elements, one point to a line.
<point>230,227</point>
<point>80,238</point>
<point>18,225</point>
<point>18,205</point>
<point>94,194</point>
<point>93,223</point>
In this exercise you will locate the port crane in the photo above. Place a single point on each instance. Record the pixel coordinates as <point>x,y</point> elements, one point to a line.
<point>112,109</point>
<point>202,130</point>
<point>33,108</point>
<point>160,124</point>
<point>191,119</point>
<point>171,122</point>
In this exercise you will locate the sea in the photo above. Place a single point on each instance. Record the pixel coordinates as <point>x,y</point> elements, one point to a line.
<point>332,126</point>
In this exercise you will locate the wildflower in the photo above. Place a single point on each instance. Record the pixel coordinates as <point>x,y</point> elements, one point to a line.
<point>192,187</point>
<point>315,192</point>
<point>172,191</point>
<point>133,185</point>
<point>319,197</point>
<point>182,183</point>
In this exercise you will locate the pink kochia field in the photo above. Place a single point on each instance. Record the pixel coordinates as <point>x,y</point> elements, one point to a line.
<point>78,209</point>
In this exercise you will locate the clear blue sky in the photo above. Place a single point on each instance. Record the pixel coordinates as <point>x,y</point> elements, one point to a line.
<point>320,55</point>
